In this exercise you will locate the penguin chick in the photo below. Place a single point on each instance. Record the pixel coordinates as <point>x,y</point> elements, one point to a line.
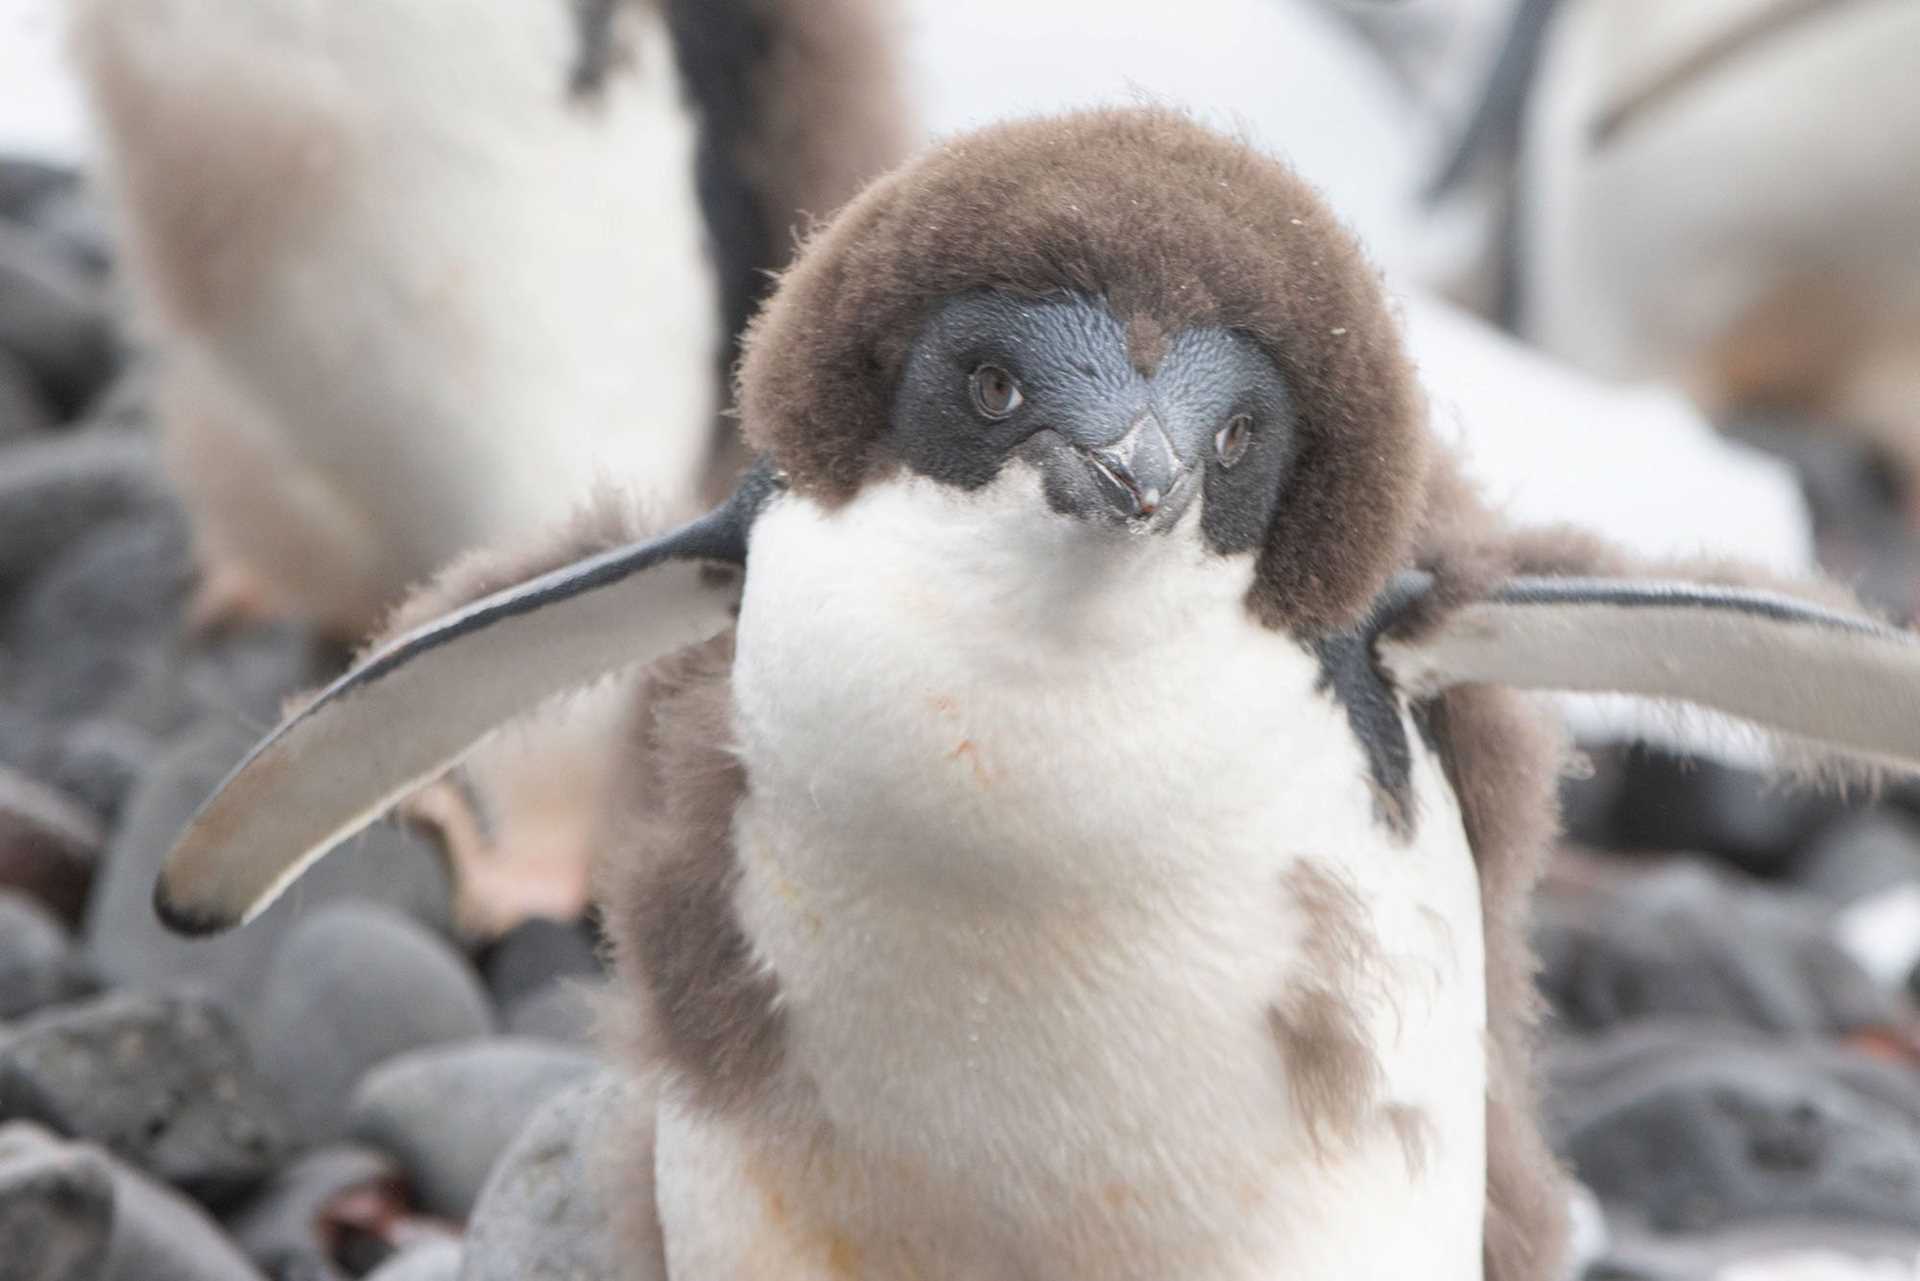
<point>1724,194</point>
<point>1076,829</point>
<point>421,275</point>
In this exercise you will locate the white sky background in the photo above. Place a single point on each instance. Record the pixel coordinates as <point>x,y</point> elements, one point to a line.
<point>40,112</point>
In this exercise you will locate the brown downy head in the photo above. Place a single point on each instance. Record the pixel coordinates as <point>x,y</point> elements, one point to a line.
<point>1171,227</point>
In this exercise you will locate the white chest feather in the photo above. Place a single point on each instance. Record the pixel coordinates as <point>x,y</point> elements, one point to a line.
<point>1096,960</point>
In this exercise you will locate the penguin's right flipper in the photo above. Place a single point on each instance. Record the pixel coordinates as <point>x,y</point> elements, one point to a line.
<point>1839,683</point>
<point>419,703</point>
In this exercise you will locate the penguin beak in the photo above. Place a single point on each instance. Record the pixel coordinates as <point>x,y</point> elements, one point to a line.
<point>1139,474</point>
<point>1142,475</point>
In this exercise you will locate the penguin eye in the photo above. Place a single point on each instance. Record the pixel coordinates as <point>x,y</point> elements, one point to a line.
<point>995,393</point>
<point>1230,442</point>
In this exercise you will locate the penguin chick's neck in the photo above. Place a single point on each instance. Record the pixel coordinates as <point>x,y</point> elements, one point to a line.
<point>1043,836</point>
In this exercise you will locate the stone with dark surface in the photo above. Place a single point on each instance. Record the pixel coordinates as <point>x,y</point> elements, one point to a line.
<point>130,947</point>
<point>159,1235</point>
<point>48,845</point>
<point>97,761</point>
<point>56,1209</point>
<point>447,1113</point>
<point>1686,941</point>
<point>24,411</point>
<point>37,963</point>
<point>72,225</point>
<point>545,1214</point>
<point>55,318</point>
<point>27,183</point>
<point>285,1227</point>
<point>1695,1129</point>
<point>54,492</point>
<point>536,952</point>
<point>99,634</point>
<point>155,1234</point>
<point>99,629</point>
<point>1751,820</point>
<point>164,1082</point>
<point>353,985</point>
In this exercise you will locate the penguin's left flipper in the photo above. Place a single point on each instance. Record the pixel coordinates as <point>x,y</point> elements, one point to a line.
<point>397,720</point>
<point>1838,683</point>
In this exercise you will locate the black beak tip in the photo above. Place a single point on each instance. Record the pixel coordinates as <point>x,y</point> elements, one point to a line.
<point>190,922</point>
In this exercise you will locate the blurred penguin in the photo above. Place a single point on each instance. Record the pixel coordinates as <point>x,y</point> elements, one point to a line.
<point>419,274</point>
<point>420,277</point>
<point>1726,193</point>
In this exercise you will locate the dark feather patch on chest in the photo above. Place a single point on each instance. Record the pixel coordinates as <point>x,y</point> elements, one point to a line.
<point>1349,673</point>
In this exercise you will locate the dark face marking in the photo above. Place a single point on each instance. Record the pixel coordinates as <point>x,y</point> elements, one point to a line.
<point>1051,381</point>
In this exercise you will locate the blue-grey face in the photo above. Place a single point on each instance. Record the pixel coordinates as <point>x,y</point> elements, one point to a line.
<point>992,377</point>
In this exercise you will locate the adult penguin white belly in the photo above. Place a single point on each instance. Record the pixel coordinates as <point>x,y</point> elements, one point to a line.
<point>421,276</point>
<point>1725,193</point>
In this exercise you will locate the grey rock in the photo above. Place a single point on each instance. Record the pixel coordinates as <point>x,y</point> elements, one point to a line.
<point>353,985</point>
<point>1695,1129</point>
<point>159,1235</point>
<point>1746,818</point>
<point>155,1234</point>
<point>448,1113</point>
<point>99,633</point>
<point>72,224</point>
<point>126,405</point>
<point>97,761</point>
<point>37,964</point>
<point>55,318</point>
<point>1861,855</point>
<point>48,846</point>
<point>26,184</point>
<point>53,492</point>
<point>546,1213</point>
<point>535,952</point>
<point>283,1227</point>
<point>127,943</point>
<point>99,629</point>
<point>246,675</point>
<point>1685,941</point>
<point>56,1209</point>
<point>24,411</point>
<point>163,1082</point>
<point>433,1261</point>
<point>563,1012</point>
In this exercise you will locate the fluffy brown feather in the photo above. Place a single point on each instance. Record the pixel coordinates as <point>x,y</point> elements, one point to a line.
<point>1175,226</point>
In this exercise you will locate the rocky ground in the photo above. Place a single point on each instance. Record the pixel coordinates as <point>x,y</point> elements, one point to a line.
<point>346,1090</point>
